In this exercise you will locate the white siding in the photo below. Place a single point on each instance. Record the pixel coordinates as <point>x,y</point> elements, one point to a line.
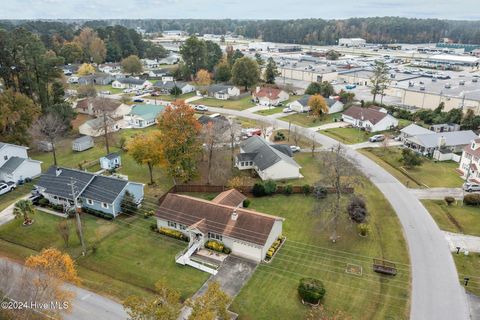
<point>244,249</point>
<point>280,170</point>
<point>9,151</point>
<point>274,234</point>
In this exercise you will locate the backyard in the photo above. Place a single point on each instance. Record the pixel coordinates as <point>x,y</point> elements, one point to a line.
<point>307,120</point>
<point>429,174</point>
<point>240,104</point>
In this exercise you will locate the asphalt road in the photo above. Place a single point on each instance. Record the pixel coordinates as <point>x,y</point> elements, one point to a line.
<point>436,291</point>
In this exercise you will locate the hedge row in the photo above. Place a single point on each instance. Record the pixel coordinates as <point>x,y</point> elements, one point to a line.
<point>98,213</point>
<point>217,246</point>
<point>173,233</point>
<point>274,247</point>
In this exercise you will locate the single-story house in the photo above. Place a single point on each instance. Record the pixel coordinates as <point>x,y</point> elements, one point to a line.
<point>369,119</point>
<point>110,68</point>
<point>270,161</point>
<point>249,234</point>
<point>133,83</point>
<point>99,105</point>
<point>95,127</point>
<point>444,142</point>
<point>413,130</point>
<point>334,105</point>
<point>301,105</point>
<point>470,161</point>
<point>15,165</point>
<point>267,96</point>
<point>96,79</point>
<point>165,87</point>
<point>93,191</point>
<point>223,92</point>
<point>110,161</point>
<point>445,127</point>
<point>159,73</point>
<point>143,115</point>
<point>220,124</point>
<point>83,143</point>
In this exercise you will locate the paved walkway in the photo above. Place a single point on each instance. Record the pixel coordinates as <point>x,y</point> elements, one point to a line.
<point>474,303</point>
<point>464,241</point>
<point>333,125</point>
<point>437,193</point>
<point>436,292</point>
<point>7,214</point>
<point>192,99</point>
<point>368,144</point>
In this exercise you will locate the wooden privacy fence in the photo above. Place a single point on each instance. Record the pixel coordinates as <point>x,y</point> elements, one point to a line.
<point>244,189</point>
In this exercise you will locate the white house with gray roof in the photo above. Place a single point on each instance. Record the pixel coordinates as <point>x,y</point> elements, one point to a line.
<point>15,165</point>
<point>93,191</point>
<point>133,83</point>
<point>270,161</point>
<point>223,92</point>
<point>166,86</point>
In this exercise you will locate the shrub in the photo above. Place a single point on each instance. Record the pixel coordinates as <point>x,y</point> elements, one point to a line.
<point>210,197</point>
<point>472,199</point>
<point>274,247</point>
<point>320,192</point>
<point>363,229</point>
<point>306,189</point>
<point>217,246</point>
<point>449,200</point>
<point>246,203</point>
<point>270,187</point>
<point>43,202</point>
<point>173,233</point>
<point>226,250</point>
<point>153,227</point>
<point>288,189</point>
<point>311,290</point>
<point>279,136</point>
<point>258,190</point>
<point>357,209</point>
<point>148,214</point>
<point>57,207</point>
<point>97,213</point>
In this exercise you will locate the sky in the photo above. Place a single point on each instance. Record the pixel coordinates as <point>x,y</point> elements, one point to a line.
<point>237,9</point>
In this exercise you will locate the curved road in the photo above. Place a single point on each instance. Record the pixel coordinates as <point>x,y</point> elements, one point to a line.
<point>436,290</point>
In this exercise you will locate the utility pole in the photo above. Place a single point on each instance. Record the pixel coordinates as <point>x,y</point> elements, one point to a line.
<point>77,216</point>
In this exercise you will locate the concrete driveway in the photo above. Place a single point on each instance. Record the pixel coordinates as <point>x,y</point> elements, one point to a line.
<point>6,214</point>
<point>368,144</point>
<point>437,193</point>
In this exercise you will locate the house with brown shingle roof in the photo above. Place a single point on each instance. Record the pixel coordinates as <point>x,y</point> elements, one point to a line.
<point>98,106</point>
<point>268,96</point>
<point>370,119</point>
<point>249,234</point>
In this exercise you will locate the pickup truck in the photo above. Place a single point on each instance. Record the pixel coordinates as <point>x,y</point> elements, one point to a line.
<point>7,187</point>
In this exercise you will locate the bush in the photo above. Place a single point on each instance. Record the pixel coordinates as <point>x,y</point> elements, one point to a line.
<point>246,203</point>
<point>43,202</point>
<point>363,229</point>
<point>288,189</point>
<point>274,247</point>
<point>173,233</point>
<point>279,136</point>
<point>306,189</point>
<point>311,290</point>
<point>472,199</point>
<point>226,250</point>
<point>449,200</point>
<point>357,209</point>
<point>57,207</point>
<point>320,192</point>
<point>153,227</point>
<point>270,187</point>
<point>148,214</point>
<point>97,213</point>
<point>217,246</point>
<point>258,190</point>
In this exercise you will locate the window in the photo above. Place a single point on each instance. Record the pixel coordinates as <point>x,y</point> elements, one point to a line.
<point>215,236</point>
<point>172,224</point>
<point>104,205</point>
<point>90,201</point>
<point>182,227</point>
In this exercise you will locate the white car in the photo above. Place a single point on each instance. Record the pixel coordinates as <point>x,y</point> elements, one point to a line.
<point>287,110</point>
<point>469,187</point>
<point>7,187</point>
<point>127,91</point>
<point>200,107</point>
<point>295,148</point>
<point>377,138</point>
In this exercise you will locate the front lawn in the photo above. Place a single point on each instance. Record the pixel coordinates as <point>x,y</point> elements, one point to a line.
<point>469,266</point>
<point>12,196</point>
<point>302,141</point>
<point>307,120</point>
<point>348,135</point>
<point>169,97</point>
<point>270,111</point>
<point>240,104</point>
<point>429,174</point>
<point>456,218</point>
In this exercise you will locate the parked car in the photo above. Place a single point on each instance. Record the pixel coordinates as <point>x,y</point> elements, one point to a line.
<point>350,86</point>
<point>127,90</point>
<point>7,187</point>
<point>105,92</point>
<point>295,148</point>
<point>377,138</point>
<point>138,100</point>
<point>469,187</point>
<point>200,107</point>
<point>287,110</point>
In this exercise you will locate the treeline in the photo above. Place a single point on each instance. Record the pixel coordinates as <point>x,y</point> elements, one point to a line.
<point>301,31</point>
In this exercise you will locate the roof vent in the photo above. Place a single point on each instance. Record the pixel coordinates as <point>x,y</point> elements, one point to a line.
<point>58,172</point>
<point>234,214</point>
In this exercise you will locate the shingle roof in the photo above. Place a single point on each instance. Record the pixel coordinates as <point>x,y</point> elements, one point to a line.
<point>250,226</point>
<point>112,156</point>
<point>218,88</point>
<point>83,139</point>
<point>12,164</point>
<point>104,189</point>
<point>268,92</point>
<point>414,129</point>
<point>131,81</point>
<point>266,155</point>
<point>230,197</point>
<point>453,138</point>
<point>147,111</point>
<point>359,113</point>
<point>101,104</point>
<point>304,100</point>
<point>169,84</point>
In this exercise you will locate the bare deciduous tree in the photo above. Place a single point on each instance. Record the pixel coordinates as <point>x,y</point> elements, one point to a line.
<point>49,127</point>
<point>106,121</point>
<point>64,230</point>
<point>213,134</point>
<point>295,135</point>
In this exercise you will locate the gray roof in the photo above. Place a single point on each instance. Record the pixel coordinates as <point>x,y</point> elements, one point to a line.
<point>112,156</point>
<point>453,138</point>
<point>131,81</point>
<point>266,156</point>
<point>285,148</point>
<point>83,139</point>
<point>304,100</point>
<point>12,164</point>
<point>169,84</point>
<point>214,88</point>
<point>414,129</point>
<point>104,189</point>
<point>2,145</point>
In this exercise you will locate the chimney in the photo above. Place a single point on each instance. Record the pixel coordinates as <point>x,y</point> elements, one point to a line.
<point>58,172</point>
<point>234,214</point>
<point>257,89</point>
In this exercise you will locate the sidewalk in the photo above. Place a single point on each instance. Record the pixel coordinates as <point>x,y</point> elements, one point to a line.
<point>465,242</point>
<point>437,193</point>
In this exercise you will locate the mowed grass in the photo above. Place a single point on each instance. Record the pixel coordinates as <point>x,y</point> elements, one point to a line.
<point>169,97</point>
<point>456,218</point>
<point>429,174</point>
<point>124,256</point>
<point>348,135</point>
<point>240,104</point>
<point>308,120</point>
<point>270,111</point>
<point>469,267</point>
<point>308,252</point>
<point>7,199</point>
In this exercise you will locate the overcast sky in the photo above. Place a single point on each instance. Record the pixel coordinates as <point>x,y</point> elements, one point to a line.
<point>237,9</point>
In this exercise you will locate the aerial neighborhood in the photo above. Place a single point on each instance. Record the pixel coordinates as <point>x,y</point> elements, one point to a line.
<point>240,169</point>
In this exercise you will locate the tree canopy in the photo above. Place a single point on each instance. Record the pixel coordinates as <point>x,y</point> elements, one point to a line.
<point>245,72</point>
<point>132,65</point>
<point>271,71</point>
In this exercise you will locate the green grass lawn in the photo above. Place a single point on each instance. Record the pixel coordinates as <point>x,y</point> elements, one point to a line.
<point>308,252</point>
<point>348,135</point>
<point>10,197</point>
<point>98,88</point>
<point>301,141</point>
<point>430,173</point>
<point>469,266</point>
<point>306,120</point>
<point>172,98</point>
<point>456,218</point>
<point>128,258</point>
<point>270,111</point>
<point>240,104</point>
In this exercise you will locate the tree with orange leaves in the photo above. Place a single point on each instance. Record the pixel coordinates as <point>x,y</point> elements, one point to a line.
<point>203,77</point>
<point>147,149</point>
<point>180,142</point>
<point>318,105</point>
